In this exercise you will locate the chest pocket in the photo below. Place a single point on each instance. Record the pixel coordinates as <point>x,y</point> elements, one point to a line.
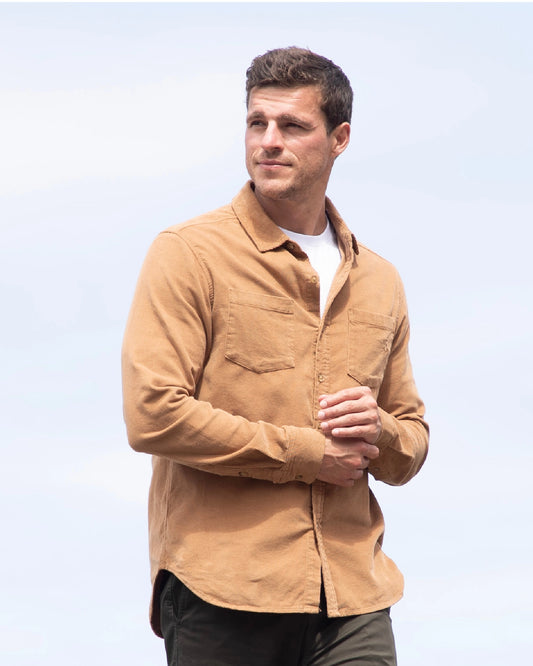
<point>370,337</point>
<point>260,332</point>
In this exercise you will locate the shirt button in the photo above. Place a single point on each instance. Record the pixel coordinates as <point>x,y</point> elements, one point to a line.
<point>321,378</point>
<point>243,473</point>
<point>314,279</point>
<point>299,477</point>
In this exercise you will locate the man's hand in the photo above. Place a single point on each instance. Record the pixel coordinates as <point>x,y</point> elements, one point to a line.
<point>351,413</point>
<point>345,460</point>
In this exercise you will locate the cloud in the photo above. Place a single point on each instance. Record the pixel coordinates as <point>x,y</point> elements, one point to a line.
<point>53,137</point>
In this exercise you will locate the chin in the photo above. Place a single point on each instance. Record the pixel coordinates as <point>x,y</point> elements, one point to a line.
<point>273,190</point>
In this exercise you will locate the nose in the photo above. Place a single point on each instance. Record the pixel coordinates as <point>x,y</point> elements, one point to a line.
<point>271,139</point>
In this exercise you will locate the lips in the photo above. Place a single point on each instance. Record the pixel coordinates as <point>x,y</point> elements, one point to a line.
<point>271,163</point>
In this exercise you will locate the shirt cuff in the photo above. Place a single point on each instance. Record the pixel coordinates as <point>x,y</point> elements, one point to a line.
<point>389,430</point>
<point>305,451</point>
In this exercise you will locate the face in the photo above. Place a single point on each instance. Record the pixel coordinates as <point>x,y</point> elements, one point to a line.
<point>289,154</point>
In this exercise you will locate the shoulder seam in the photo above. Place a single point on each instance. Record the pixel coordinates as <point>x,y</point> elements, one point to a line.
<point>198,257</point>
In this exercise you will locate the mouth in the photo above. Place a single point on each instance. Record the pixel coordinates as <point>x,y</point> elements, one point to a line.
<point>272,164</point>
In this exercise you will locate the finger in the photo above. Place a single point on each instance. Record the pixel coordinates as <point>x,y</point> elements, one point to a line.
<point>352,393</point>
<point>367,417</point>
<point>348,431</point>
<point>372,452</point>
<point>357,475</point>
<point>365,403</point>
<point>342,409</point>
<point>365,450</point>
<point>368,433</point>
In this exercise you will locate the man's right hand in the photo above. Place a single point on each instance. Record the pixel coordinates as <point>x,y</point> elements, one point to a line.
<point>345,460</point>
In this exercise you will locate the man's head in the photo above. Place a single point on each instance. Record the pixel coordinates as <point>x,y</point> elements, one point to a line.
<point>294,67</point>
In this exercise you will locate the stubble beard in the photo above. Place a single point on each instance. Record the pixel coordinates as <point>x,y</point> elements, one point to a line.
<point>280,193</point>
<point>280,190</point>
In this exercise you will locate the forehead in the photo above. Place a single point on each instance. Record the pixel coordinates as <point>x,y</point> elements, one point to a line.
<point>273,100</point>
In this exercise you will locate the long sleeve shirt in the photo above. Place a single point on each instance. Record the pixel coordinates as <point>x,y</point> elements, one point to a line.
<point>224,356</point>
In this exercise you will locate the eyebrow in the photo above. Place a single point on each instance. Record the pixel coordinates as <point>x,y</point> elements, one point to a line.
<point>284,117</point>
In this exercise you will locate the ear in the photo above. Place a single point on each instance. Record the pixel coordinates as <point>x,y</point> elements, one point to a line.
<point>340,138</point>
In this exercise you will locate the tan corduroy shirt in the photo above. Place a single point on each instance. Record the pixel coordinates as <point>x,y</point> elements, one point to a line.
<point>224,357</point>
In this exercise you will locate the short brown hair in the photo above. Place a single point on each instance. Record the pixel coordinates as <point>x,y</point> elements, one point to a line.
<point>292,66</point>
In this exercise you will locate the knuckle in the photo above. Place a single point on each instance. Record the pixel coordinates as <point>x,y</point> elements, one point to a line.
<point>355,466</point>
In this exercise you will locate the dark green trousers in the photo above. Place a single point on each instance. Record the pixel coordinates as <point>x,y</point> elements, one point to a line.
<point>199,634</point>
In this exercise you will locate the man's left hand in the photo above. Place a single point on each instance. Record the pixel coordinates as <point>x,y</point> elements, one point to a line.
<point>351,412</point>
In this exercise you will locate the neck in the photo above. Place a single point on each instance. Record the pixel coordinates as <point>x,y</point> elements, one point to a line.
<point>304,217</point>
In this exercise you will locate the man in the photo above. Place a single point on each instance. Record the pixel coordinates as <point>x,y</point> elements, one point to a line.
<point>266,370</point>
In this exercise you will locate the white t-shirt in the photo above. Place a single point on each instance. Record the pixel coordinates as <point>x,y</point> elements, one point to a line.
<point>324,255</point>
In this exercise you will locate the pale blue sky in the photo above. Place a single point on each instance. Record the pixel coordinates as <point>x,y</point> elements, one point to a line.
<point>119,120</point>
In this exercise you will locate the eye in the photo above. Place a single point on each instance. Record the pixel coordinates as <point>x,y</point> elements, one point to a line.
<point>293,125</point>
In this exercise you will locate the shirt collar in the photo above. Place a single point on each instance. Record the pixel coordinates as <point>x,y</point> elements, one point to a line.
<point>345,236</point>
<point>266,235</point>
